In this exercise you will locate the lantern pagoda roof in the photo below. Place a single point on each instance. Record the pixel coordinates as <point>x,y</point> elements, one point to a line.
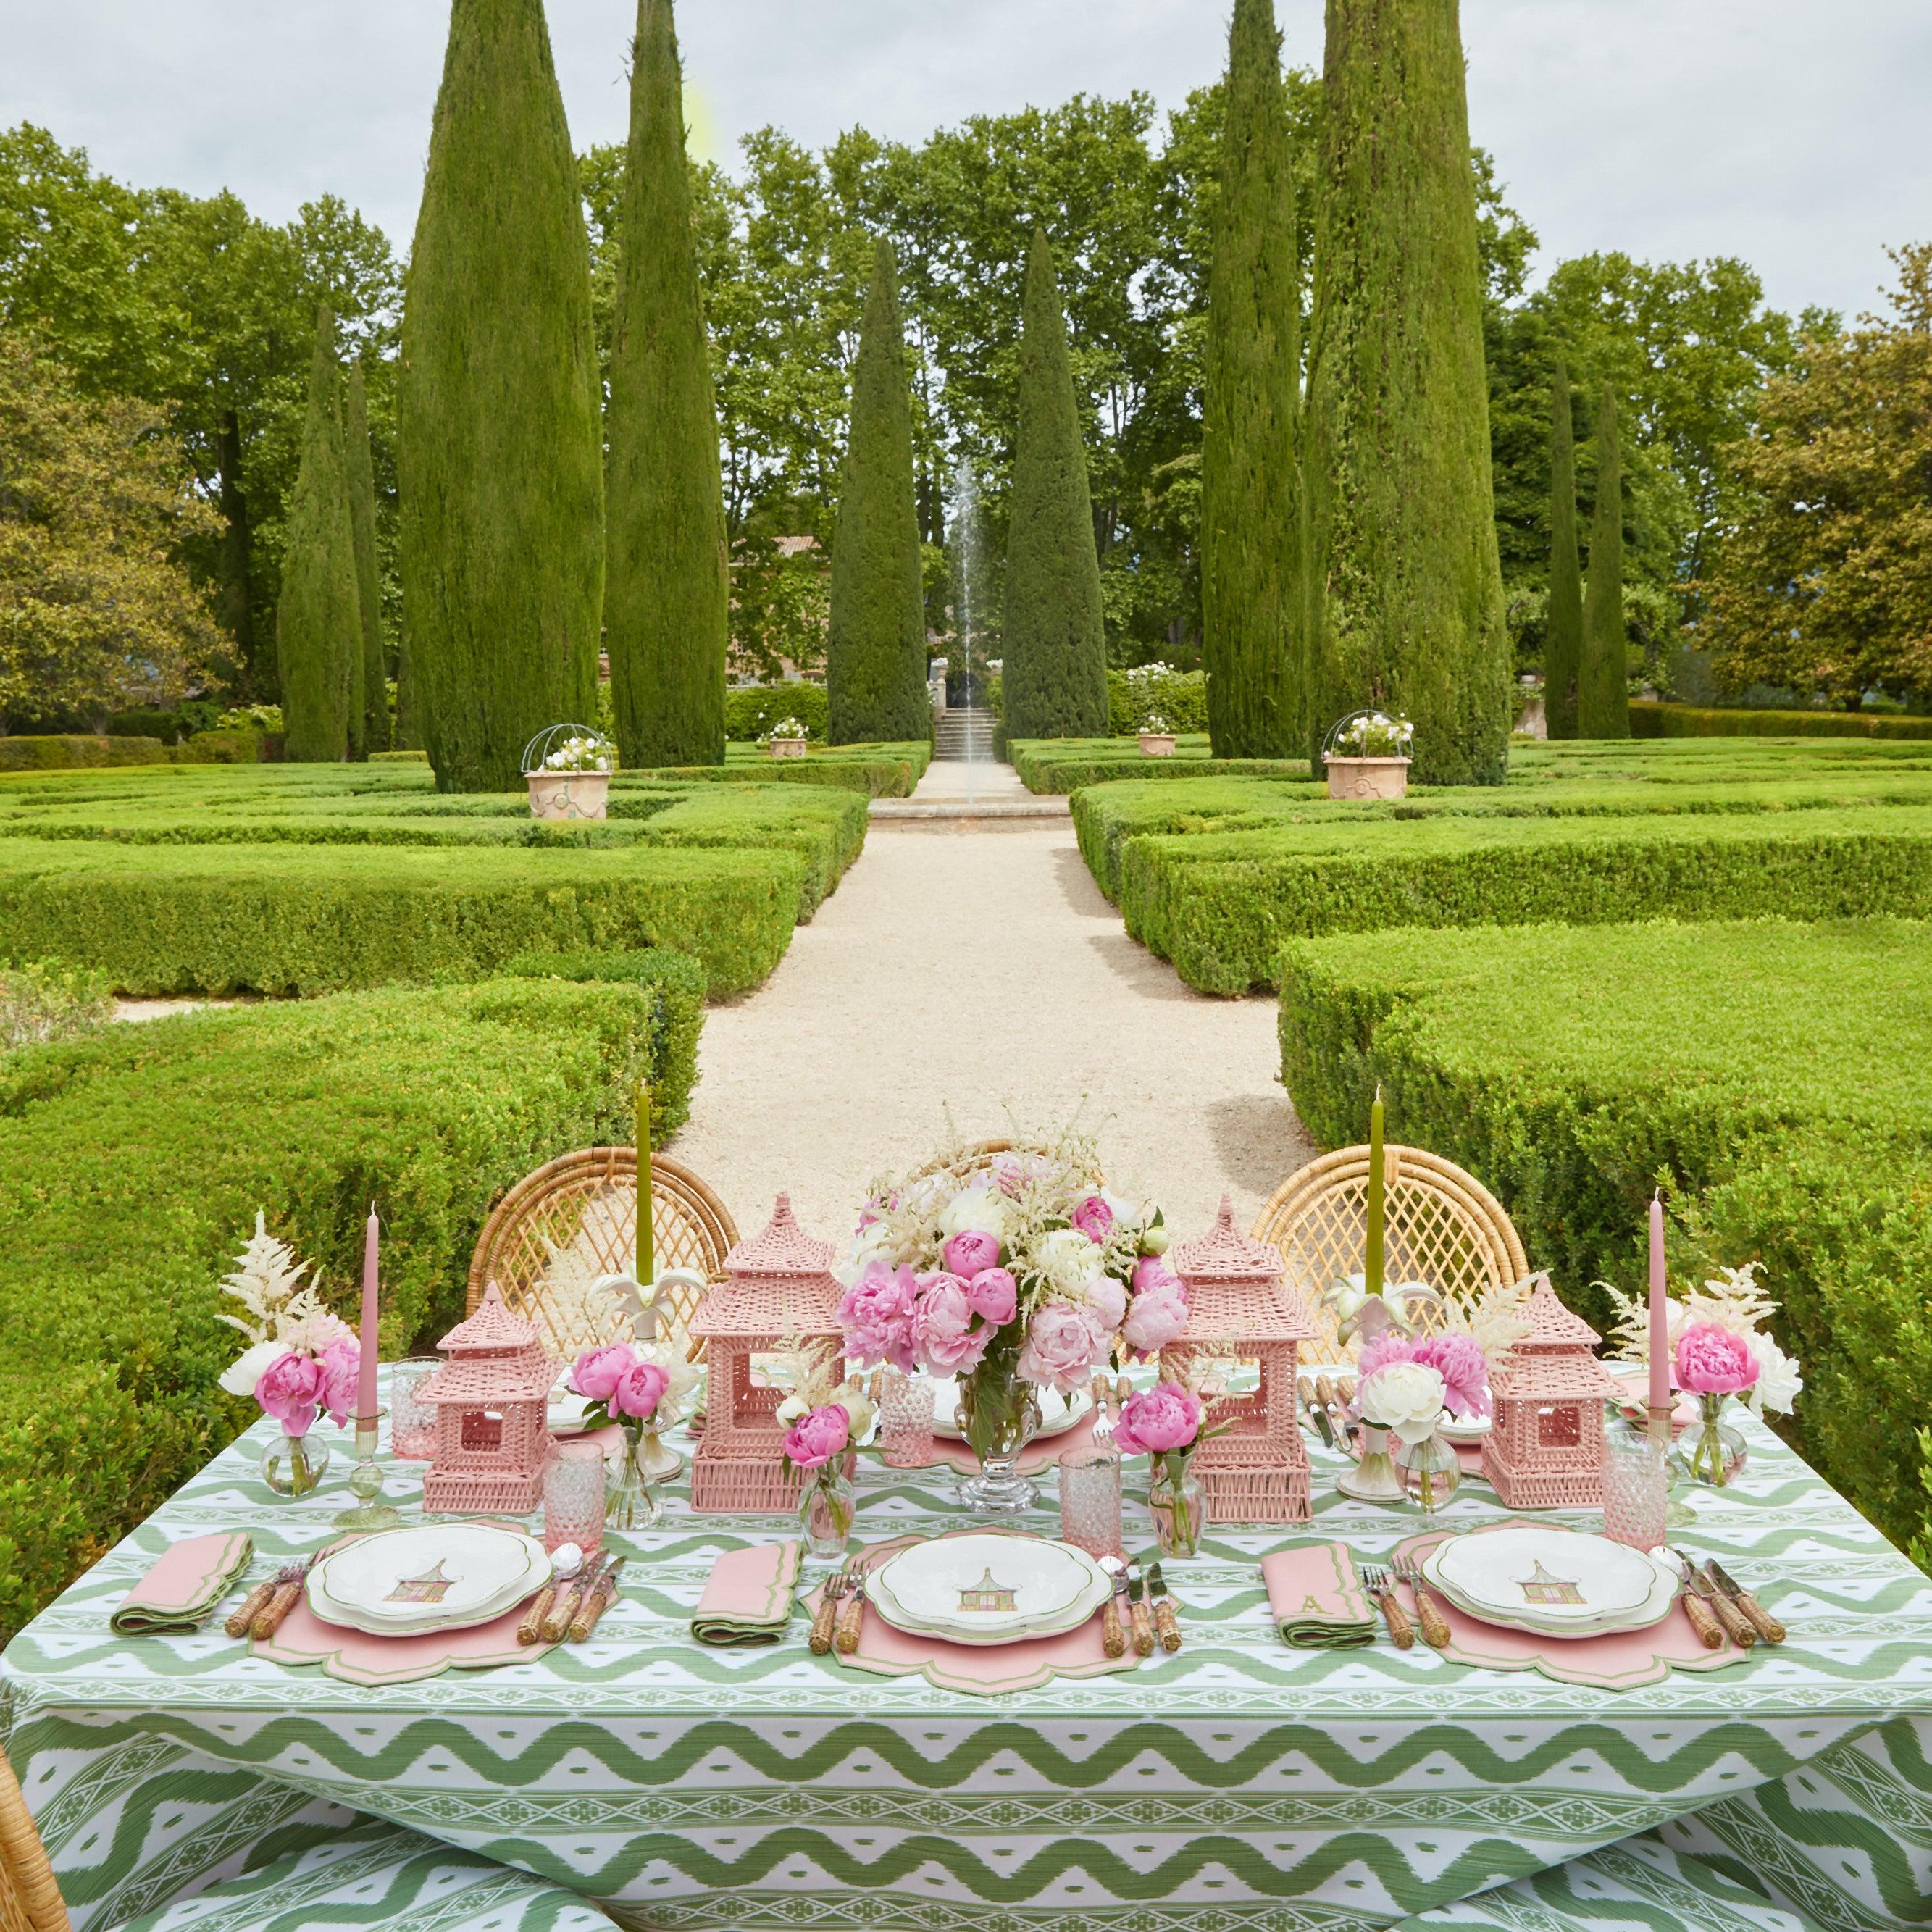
<point>1235,1292</point>
<point>495,1357</point>
<point>1555,1361</point>
<point>779,1283</point>
<point>493,1330</point>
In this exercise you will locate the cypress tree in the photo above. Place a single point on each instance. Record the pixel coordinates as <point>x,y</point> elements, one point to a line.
<point>667,595</point>
<point>373,684</point>
<point>1250,552</point>
<point>1603,696</point>
<point>875,646</point>
<point>1406,587</point>
<point>319,622</point>
<point>1054,678</point>
<point>499,448</point>
<point>1563,647</point>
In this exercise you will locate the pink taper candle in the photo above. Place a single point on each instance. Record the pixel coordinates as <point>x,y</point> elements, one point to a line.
<point>1660,1315</point>
<point>365,1379</point>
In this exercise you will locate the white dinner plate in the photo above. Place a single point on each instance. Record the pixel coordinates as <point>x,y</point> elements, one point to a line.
<point>1057,1413</point>
<point>449,1576</point>
<point>985,1589</point>
<point>1556,1583</point>
<point>1464,1428</point>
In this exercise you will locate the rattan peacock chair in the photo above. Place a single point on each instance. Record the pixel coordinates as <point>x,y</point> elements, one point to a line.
<point>30,1899</point>
<point>575,1219</point>
<point>1444,1229</point>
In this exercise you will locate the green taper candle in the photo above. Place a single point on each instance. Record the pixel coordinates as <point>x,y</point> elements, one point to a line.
<point>1371,1257</point>
<point>646,1251</point>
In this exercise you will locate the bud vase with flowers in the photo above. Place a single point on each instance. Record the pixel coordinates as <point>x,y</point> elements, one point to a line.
<point>1713,1364</point>
<point>642,1387</point>
<point>824,1416</point>
<point>1164,1424</point>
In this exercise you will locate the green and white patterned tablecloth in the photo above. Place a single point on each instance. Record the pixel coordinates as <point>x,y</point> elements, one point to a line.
<point>1236,1786</point>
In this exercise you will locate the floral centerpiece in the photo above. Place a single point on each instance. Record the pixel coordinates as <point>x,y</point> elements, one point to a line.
<point>642,1386</point>
<point>1373,734</point>
<point>786,739</point>
<point>301,1360</point>
<point>1015,1273</point>
<point>824,1414</point>
<point>1167,1423</point>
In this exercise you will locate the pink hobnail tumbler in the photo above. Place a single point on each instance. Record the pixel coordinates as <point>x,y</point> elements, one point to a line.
<point>573,1498</point>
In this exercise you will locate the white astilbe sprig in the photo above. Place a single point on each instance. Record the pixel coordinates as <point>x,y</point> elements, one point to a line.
<point>268,1281</point>
<point>1733,1299</point>
<point>1494,1316</point>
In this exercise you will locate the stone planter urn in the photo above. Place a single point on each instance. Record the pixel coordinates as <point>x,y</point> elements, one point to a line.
<point>569,794</point>
<point>1368,778</point>
<point>1156,744</point>
<point>786,748</point>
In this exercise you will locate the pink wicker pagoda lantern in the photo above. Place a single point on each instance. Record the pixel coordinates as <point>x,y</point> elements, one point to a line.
<point>777,1287</point>
<point>1256,1469</point>
<point>1545,1449</point>
<point>491,1398</point>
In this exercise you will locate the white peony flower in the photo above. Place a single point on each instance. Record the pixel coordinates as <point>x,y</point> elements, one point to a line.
<point>979,1210</point>
<point>242,1375</point>
<point>793,1409</point>
<point>851,1397</point>
<point>1069,1261</point>
<point>1778,1382</point>
<point>1406,1397</point>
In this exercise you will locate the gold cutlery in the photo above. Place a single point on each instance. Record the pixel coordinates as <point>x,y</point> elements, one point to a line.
<point>826,1615</point>
<point>596,1600</point>
<point>1138,1616</point>
<point>1166,1617</point>
<point>1428,1611</point>
<point>1381,1585</point>
<point>1766,1625</point>
<point>851,1618</point>
<point>1113,1634</point>
<point>1305,1388</point>
<point>1731,1620</point>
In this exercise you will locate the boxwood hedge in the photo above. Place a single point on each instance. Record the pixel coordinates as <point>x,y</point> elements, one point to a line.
<point>1649,719</point>
<point>131,1165</point>
<point>1064,764</point>
<point>1772,1073</point>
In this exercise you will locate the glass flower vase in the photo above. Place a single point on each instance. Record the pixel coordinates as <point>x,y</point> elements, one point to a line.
<point>294,1466</point>
<point>827,1511</point>
<point>1374,1478</point>
<point>999,1414</point>
<point>1179,1509</point>
<point>1717,1453</point>
<point>632,1501</point>
<point>1431,1472</point>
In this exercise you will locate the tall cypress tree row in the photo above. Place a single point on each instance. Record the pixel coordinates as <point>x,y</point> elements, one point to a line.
<point>499,450</point>
<point>1563,646</point>
<point>319,625</point>
<point>875,646</point>
<point>667,588</point>
<point>1603,696</point>
<point>1252,593</point>
<point>1406,597</point>
<point>1054,677</point>
<point>372,688</point>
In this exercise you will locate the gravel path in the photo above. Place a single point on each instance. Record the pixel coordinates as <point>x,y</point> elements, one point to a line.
<point>973,964</point>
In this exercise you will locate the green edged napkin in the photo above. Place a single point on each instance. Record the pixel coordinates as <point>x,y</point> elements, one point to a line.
<point>748,1597</point>
<point>1316,1597</point>
<point>183,1585</point>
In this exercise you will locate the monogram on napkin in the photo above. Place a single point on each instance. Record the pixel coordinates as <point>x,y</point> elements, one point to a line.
<point>183,1585</point>
<point>1316,1598</point>
<point>748,1597</point>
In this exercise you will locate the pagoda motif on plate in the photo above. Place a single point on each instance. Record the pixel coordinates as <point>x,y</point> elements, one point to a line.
<point>1238,1304</point>
<point>778,1287</point>
<point>1545,1448</point>
<point>491,1400</point>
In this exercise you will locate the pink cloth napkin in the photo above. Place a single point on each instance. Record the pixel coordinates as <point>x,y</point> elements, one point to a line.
<point>182,1586</point>
<point>748,1599</point>
<point>1316,1598</point>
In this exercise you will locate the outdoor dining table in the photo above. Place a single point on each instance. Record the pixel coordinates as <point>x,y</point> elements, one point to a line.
<point>1237,1784</point>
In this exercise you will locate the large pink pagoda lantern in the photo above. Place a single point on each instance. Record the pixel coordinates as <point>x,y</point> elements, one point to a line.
<point>1545,1449</point>
<point>778,1287</point>
<point>1239,1306</point>
<point>491,1399</point>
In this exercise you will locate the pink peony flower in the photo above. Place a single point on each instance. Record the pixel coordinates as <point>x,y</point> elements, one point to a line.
<point>341,1371</point>
<point>1712,1360</point>
<point>1007,1174</point>
<point>876,1314</point>
<point>598,1371</point>
<point>1381,1350</point>
<point>1152,1271</point>
<point>817,1437</point>
<point>1106,1303</point>
<point>1156,1316</point>
<point>994,1295</point>
<point>944,1337</point>
<point>1062,1347</point>
<point>289,1389</point>
<point>1458,1360</point>
<point>639,1390</point>
<point>1159,1419</point>
<point>1093,1218</point>
<point>972,1252</point>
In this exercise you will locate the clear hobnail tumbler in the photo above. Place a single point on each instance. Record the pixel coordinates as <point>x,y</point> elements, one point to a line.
<point>905,1420</point>
<point>1635,1487</point>
<point>1090,1504</point>
<point>412,1424</point>
<point>573,1498</point>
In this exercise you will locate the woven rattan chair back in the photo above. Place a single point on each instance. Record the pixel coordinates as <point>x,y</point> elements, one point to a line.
<point>30,1900</point>
<point>1443,1228</point>
<point>575,1218</point>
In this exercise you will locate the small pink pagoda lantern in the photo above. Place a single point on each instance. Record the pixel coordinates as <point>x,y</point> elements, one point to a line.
<point>491,1398</point>
<point>1545,1449</point>
<point>777,1287</point>
<point>1256,1469</point>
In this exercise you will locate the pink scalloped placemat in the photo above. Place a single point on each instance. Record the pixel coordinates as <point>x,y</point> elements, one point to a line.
<point>356,1657</point>
<point>1619,1662</point>
<point>981,1670</point>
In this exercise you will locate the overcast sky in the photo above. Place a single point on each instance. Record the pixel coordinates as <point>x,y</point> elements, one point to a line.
<point>1792,133</point>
